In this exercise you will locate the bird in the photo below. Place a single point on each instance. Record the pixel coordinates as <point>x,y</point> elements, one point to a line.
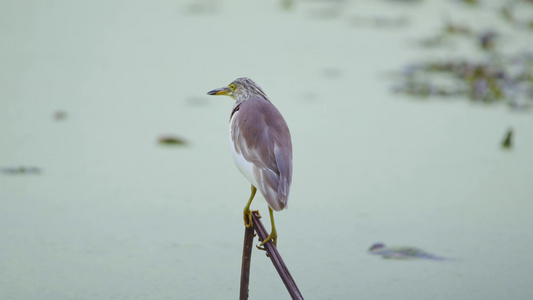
<point>261,146</point>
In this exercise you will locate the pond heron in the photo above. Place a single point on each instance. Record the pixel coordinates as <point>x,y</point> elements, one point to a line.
<point>261,146</point>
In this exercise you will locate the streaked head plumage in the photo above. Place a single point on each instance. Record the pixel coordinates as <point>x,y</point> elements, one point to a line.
<point>241,89</point>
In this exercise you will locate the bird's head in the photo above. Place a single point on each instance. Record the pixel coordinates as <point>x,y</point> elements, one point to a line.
<point>240,89</point>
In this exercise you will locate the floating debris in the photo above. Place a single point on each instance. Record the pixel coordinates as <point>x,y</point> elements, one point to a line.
<point>21,170</point>
<point>498,79</point>
<point>401,253</point>
<point>508,140</point>
<point>171,141</point>
<point>487,39</point>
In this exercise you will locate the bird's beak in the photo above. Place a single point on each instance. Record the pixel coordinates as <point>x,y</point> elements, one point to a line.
<point>221,91</point>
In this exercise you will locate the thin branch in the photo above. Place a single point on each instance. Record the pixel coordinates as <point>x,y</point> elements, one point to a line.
<point>246,261</point>
<point>274,255</point>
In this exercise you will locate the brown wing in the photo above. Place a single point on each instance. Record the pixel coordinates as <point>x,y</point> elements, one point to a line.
<point>262,136</point>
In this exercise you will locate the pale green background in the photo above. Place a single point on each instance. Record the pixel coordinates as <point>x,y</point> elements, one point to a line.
<point>116,216</point>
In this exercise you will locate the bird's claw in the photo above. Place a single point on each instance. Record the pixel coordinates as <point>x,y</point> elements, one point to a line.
<point>248,219</point>
<point>272,237</point>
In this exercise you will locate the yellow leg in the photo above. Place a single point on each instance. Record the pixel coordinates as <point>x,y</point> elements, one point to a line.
<point>247,214</point>
<point>273,234</point>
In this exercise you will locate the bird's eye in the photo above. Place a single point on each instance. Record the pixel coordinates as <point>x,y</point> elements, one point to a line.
<point>232,86</point>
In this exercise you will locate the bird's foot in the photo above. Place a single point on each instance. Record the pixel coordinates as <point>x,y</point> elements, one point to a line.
<point>272,236</point>
<point>248,218</point>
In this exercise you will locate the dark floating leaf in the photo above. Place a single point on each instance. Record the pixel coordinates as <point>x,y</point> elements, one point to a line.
<point>171,141</point>
<point>400,252</point>
<point>487,39</point>
<point>21,170</point>
<point>508,140</point>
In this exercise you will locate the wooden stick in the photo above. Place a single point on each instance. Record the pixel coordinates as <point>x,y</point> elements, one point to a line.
<point>246,261</point>
<point>274,255</point>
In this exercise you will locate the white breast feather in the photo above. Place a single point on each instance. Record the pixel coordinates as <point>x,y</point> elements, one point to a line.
<point>243,165</point>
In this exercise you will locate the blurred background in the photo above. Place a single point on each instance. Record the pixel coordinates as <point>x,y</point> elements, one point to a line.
<point>411,124</point>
